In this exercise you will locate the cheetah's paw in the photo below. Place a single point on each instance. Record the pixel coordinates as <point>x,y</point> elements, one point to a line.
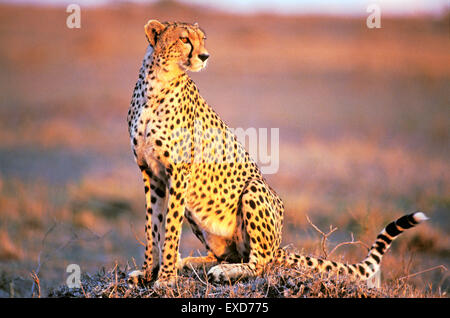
<point>228,273</point>
<point>135,278</point>
<point>165,283</point>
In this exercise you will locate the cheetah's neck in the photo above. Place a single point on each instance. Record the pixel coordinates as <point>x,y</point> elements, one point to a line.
<point>157,84</point>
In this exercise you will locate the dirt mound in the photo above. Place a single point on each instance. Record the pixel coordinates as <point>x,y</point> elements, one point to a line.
<point>277,282</point>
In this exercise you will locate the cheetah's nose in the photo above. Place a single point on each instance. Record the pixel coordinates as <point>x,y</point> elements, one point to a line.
<point>203,56</point>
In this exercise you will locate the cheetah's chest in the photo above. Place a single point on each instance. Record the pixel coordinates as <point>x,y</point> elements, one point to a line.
<point>160,119</point>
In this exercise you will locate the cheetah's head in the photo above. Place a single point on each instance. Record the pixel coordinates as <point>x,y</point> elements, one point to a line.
<point>178,43</point>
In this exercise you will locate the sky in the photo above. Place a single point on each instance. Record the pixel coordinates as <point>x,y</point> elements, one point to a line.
<point>409,7</point>
<point>335,7</point>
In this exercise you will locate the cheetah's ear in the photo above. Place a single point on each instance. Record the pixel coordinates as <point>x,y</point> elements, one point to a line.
<point>153,29</point>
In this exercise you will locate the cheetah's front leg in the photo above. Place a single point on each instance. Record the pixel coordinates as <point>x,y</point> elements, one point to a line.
<point>174,219</point>
<point>156,204</point>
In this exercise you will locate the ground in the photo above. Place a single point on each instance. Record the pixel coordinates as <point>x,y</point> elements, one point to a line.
<point>363,123</point>
<point>277,282</point>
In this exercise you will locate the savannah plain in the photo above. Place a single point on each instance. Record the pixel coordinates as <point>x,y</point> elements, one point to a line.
<point>363,118</point>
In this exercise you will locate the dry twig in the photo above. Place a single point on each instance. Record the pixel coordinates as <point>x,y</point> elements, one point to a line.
<point>352,242</point>
<point>135,235</point>
<point>35,278</point>
<point>198,277</point>
<point>324,236</point>
<point>442,267</point>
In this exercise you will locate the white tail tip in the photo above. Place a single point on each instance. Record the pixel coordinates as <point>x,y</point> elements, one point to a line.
<point>420,217</point>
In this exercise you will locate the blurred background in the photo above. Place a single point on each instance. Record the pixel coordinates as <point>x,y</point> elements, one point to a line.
<point>363,117</point>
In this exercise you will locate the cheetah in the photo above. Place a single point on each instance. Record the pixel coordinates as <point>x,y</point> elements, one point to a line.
<point>194,169</point>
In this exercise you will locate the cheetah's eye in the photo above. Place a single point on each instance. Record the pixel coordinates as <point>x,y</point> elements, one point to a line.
<point>184,39</point>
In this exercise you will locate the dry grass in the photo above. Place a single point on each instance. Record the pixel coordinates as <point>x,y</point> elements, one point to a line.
<point>277,282</point>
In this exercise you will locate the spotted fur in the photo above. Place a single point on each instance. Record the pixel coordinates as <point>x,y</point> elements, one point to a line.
<point>191,174</point>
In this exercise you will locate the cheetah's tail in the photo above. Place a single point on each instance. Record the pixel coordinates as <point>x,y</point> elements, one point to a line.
<point>370,266</point>
<point>367,269</point>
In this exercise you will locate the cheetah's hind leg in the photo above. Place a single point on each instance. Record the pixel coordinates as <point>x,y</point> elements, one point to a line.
<point>263,229</point>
